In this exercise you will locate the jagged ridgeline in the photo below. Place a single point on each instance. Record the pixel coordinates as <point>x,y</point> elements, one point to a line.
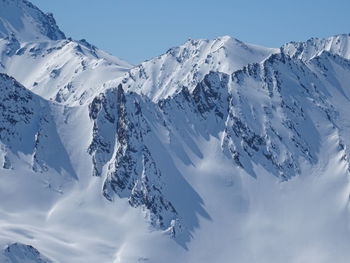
<point>219,140</point>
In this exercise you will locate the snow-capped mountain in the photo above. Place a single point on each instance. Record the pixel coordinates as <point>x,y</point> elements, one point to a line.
<point>17,252</point>
<point>66,71</point>
<point>337,45</point>
<point>23,20</point>
<point>187,64</point>
<point>215,151</point>
<point>35,52</point>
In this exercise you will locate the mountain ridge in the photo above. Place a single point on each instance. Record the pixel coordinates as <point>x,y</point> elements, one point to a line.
<point>27,22</point>
<point>215,150</point>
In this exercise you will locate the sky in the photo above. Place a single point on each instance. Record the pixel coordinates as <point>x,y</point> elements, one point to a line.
<point>137,30</point>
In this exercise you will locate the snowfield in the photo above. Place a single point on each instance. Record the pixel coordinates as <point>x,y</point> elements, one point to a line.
<point>216,151</point>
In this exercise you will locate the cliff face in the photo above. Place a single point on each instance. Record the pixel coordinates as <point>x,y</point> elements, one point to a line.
<point>215,150</point>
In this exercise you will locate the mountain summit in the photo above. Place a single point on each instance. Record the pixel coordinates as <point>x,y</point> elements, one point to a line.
<point>187,64</point>
<point>56,68</point>
<point>26,22</point>
<point>337,45</point>
<point>216,151</point>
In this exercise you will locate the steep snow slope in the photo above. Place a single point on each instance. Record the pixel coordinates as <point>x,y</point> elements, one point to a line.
<point>267,114</point>
<point>338,45</point>
<point>216,151</point>
<point>187,65</point>
<point>17,252</point>
<point>229,141</point>
<point>66,71</point>
<point>26,22</point>
<point>36,53</point>
<point>27,127</point>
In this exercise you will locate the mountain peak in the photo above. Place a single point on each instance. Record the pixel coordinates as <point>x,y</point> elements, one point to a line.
<point>27,22</point>
<point>337,45</point>
<point>187,64</point>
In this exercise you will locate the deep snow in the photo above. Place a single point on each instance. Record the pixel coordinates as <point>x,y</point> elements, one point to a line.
<point>216,151</point>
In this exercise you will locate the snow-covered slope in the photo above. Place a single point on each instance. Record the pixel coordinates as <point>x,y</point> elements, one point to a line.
<point>17,252</point>
<point>27,126</point>
<point>36,53</point>
<point>66,71</point>
<point>187,65</point>
<point>26,22</point>
<point>215,151</point>
<point>338,45</point>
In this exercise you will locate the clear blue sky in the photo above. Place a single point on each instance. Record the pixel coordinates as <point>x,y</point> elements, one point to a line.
<point>136,30</point>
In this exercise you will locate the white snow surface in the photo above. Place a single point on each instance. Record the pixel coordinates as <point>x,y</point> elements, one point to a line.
<point>216,151</point>
<point>66,71</point>
<point>187,64</point>
<point>22,19</point>
<point>35,52</point>
<point>339,45</point>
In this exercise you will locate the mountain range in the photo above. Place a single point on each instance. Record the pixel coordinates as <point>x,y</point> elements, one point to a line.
<point>215,151</point>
